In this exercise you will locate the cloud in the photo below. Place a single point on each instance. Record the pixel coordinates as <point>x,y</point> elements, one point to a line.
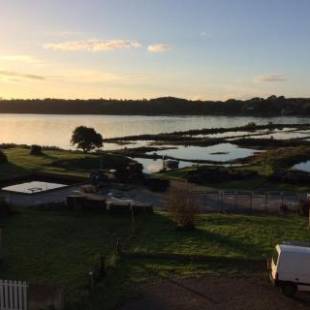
<point>10,75</point>
<point>19,58</point>
<point>93,45</point>
<point>159,48</point>
<point>271,78</point>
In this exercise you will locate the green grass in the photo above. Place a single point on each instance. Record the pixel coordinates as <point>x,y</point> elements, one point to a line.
<point>56,162</point>
<point>60,247</point>
<point>221,235</point>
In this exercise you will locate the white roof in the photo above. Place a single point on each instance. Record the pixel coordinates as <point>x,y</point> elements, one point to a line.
<point>291,248</point>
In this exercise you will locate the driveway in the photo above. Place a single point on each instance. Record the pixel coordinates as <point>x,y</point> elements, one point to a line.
<point>218,293</point>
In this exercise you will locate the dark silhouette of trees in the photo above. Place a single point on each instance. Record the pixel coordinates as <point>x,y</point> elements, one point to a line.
<point>86,138</point>
<point>272,106</point>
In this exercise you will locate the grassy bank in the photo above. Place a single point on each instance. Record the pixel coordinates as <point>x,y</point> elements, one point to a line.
<point>60,246</point>
<point>60,162</point>
<point>256,174</point>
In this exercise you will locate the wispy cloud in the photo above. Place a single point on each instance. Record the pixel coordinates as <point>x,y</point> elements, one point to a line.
<point>271,78</point>
<point>93,45</point>
<point>19,58</point>
<point>159,48</point>
<point>11,75</point>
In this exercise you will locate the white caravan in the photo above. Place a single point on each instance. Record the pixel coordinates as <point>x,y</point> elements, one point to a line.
<point>290,267</point>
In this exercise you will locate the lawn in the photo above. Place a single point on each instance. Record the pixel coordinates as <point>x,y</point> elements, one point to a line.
<point>61,162</point>
<point>60,247</point>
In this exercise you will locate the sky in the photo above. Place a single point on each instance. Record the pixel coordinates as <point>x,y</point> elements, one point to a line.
<point>195,49</point>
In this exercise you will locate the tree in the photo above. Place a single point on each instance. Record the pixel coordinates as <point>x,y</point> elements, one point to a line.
<point>86,138</point>
<point>182,207</point>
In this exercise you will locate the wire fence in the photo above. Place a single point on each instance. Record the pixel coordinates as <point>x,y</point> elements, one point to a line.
<point>245,201</point>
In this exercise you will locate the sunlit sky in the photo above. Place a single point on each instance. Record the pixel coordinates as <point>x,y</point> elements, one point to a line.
<point>197,49</point>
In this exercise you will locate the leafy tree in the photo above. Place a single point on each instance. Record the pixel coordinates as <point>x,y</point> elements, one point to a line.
<point>86,138</point>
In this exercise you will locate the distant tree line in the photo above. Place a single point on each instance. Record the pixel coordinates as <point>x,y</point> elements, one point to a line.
<point>272,106</point>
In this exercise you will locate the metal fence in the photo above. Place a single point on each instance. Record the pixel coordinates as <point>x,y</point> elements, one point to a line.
<point>238,201</point>
<point>13,295</point>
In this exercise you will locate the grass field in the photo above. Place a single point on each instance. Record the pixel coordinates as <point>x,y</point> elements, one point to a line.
<point>56,162</point>
<point>60,247</point>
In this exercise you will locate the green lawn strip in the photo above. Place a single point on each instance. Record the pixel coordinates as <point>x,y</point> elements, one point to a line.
<point>221,235</point>
<point>60,162</point>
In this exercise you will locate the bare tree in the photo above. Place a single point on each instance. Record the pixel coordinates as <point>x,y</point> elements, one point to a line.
<point>182,206</point>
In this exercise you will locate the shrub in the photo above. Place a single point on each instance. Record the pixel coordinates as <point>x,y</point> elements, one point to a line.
<point>251,126</point>
<point>35,150</point>
<point>3,158</point>
<point>182,207</point>
<point>5,209</point>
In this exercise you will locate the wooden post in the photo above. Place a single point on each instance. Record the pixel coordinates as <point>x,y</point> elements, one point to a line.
<point>91,280</point>
<point>102,265</point>
<point>251,200</point>
<point>222,201</point>
<point>1,251</point>
<point>118,247</point>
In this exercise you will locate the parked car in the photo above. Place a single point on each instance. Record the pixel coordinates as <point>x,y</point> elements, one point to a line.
<point>290,267</point>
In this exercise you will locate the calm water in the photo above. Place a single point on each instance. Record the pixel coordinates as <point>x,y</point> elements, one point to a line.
<point>56,130</point>
<point>220,152</point>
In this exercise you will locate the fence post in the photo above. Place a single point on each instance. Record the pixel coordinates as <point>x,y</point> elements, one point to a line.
<point>251,200</point>
<point>222,201</point>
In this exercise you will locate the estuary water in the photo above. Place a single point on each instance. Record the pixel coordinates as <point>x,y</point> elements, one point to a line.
<point>56,130</point>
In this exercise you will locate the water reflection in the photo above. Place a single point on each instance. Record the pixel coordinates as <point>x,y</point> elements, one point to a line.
<point>220,152</point>
<point>56,130</point>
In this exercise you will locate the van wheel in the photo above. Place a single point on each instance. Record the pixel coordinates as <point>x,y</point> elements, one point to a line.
<point>289,290</point>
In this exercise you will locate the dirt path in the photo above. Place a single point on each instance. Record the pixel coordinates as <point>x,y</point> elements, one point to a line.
<point>216,293</point>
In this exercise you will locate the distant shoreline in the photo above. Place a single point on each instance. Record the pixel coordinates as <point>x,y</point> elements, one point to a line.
<point>166,106</point>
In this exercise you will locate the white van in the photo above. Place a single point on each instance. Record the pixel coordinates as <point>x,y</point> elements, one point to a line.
<point>290,267</point>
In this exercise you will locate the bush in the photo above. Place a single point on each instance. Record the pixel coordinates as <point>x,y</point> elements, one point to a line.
<point>182,207</point>
<point>36,150</point>
<point>3,158</point>
<point>5,209</point>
